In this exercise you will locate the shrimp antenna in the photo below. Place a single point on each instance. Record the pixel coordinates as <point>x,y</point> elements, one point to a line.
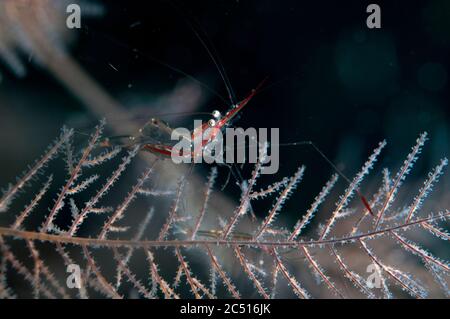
<point>338,171</point>
<point>177,70</point>
<point>181,113</point>
<point>322,154</point>
<point>81,133</point>
<point>210,49</point>
<point>219,66</point>
<point>160,62</point>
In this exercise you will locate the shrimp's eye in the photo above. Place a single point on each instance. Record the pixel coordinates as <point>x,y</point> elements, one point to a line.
<point>212,123</point>
<point>216,114</point>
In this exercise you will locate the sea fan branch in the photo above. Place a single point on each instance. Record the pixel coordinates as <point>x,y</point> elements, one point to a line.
<point>280,201</point>
<point>208,190</point>
<point>245,198</point>
<point>352,188</point>
<point>250,273</point>
<point>91,203</point>
<point>12,192</point>
<point>433,177</point>
<point>261,242</point>
<point>315,205</point>
<point>401,175</point>
<point>74,175</point>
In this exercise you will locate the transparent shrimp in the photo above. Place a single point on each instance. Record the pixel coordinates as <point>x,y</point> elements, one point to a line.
<point>154,136</point>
